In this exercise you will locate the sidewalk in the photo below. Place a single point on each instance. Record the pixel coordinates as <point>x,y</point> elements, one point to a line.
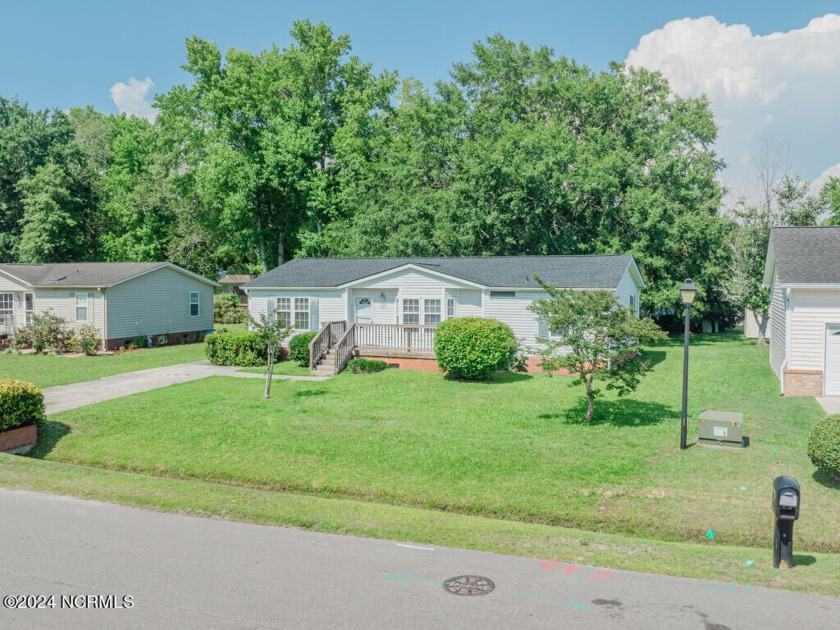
<point>64,397</point>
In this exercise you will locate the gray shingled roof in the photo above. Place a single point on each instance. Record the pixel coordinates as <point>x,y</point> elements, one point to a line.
<point>572,272</point>
<point>50,275</point>
<point>807,255</point>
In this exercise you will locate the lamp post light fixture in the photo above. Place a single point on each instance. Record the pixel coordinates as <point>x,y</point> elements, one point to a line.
<point>687,293</point>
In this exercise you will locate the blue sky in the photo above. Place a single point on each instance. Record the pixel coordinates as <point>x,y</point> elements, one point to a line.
<point>66,54</point>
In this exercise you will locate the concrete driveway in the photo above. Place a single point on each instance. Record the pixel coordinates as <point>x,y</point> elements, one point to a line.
<point>831,404</point>
<point>64,397</point>
<point>184,572</point>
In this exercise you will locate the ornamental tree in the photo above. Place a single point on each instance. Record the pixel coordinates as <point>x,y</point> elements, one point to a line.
<point>272,332</point>
<point>595,338</point>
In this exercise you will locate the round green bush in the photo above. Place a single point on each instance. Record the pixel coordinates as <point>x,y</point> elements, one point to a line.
<point>824,445</point>
<point>299,348</point>
<point>21,404</point>
<point>226,349</point>
<point>474,347</point>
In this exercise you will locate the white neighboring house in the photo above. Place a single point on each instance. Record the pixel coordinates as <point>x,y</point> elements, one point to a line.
<point>802,271</point>
<point>122,300</point>
<point>751,325</point>
<point>388,307</point>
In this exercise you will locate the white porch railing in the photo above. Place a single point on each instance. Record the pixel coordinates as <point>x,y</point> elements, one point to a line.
<point>406,338</point>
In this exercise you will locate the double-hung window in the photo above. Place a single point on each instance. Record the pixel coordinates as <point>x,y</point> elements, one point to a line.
<point>81,307</point>
<point>431,312</point>
<point>450,308</point>
<point>411,311</point>
<point>193,303</point>
<point>284,311</point>
<point>302,313</point>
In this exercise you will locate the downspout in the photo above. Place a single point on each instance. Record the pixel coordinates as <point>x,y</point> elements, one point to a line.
<point>104,321</point>
<point>788,315</point>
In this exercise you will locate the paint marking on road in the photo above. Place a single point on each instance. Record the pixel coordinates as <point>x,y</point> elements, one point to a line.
<point>414,547</point>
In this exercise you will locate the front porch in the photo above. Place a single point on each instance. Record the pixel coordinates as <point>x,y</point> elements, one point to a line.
<point>336,344</point>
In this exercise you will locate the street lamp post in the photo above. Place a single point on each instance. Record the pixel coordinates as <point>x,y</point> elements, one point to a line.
<point>687,292</point>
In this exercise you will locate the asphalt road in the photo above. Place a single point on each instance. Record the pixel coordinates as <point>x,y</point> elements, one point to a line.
<point>185,572</point>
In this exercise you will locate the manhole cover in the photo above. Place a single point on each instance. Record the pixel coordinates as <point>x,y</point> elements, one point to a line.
<point>469,585</point>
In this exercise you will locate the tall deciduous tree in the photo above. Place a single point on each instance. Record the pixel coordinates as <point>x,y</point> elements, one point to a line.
<point>523,152</point>
<point>53,218</point>
<point>785,202</point>
<point>260,138</point>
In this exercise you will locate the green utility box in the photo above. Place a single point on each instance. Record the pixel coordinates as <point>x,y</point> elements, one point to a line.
<point>721,428</point>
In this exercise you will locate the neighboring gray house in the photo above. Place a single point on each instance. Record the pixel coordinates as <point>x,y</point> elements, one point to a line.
<point>803,273</point>
<point>122,300</point>
<point>389,307</point>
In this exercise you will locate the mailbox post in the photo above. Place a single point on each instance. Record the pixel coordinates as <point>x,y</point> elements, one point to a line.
<point>786,500</point>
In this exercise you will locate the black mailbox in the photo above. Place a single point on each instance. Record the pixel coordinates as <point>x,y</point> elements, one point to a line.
<point>786,498</point>
<point>785,506</point>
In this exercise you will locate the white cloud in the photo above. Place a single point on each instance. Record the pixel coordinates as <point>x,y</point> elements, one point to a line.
<point>822,178</point>
<point>131,98</point>
<point>780,89</point>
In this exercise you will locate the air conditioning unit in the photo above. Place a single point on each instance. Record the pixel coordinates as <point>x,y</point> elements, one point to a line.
<point>721,428</point>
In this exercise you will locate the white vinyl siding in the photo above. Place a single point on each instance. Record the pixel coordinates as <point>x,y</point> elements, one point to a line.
<point>751,325</point>
<point>324,305</point>
<point>778,315</point>
<point>157,303</point>
<point>627,291</point>
<point>810,310</point>
<point>469,303</point>
<point>62,302</point>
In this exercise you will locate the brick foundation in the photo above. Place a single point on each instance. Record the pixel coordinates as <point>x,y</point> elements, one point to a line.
<point>174,339</point>
<point>407,363</point>
<point>803,383</point>
<point>534,365</point>
<point>18,438</point>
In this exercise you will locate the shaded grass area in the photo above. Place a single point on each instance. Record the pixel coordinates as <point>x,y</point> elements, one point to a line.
<point>816,573</point>
<point>512,448</point>
<point>47,371</point>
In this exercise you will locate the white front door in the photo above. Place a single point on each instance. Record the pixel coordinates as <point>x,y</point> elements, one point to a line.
<point>832,360</point>
<point>364,310</point>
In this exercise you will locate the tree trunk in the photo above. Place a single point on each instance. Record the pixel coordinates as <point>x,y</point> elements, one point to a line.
<point>270,371</point>
<point>763,318</point>
<point>591,397</point>
<point>281,250</point>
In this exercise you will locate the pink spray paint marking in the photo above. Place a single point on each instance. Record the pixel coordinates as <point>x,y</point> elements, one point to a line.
<point>586,572</point>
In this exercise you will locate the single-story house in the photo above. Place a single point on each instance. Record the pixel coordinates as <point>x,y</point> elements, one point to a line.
<point>388,308</point>
<point>122,300</point>
<point>232,283</point>
<point>802,271</point>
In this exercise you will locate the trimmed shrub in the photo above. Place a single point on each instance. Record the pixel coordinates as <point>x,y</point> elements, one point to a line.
<point>47,331</point>
<point>226,309</point>
<point>21,404</point>
<point>247,350</point>
<point>824,445</point>
<point>366,366</point>
<point>86,339</point>
<point>299,348</point>
<point>473,347</point>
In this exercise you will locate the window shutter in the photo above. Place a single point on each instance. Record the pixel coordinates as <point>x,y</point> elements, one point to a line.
<point>543,328</point>
<point>271,308</point>
<point>72,311</point>
<point>313,313</point>
<point>90,307</point>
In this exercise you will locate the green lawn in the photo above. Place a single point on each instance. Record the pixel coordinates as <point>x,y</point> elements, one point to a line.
<point>513,448</point>
<point>290,368</point>
<point>47,371</point>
